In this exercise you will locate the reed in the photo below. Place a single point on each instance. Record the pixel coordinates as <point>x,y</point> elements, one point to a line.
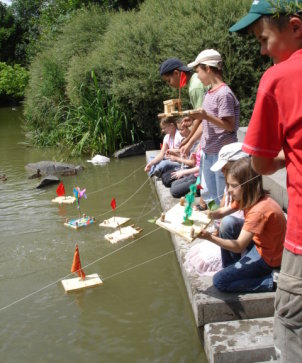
<point>98,125</point>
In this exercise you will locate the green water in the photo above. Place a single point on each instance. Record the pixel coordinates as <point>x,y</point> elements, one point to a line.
<point>140,314</point>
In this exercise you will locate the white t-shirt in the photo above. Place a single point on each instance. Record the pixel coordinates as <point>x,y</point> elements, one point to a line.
<point>173,142</point>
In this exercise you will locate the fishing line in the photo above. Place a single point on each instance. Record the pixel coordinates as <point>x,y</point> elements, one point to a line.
<point>140,264</point>
<point>96,191</point>
<point>127,200</point>
<point>109,254</point>
<point>117,183</point>
<point>71,274</point>
<point>240,185</point>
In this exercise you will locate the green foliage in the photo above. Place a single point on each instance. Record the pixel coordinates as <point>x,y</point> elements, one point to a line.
<point>97,126</point>
<point>9,34</point>
<point>13,80</point>
<point>124,50</point>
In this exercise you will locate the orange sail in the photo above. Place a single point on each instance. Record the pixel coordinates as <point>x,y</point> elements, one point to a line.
<point>76,264</point>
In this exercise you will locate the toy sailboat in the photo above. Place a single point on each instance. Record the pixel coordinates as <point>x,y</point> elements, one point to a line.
<point>61,196</point>
<point>123,233</point>
<point>115,222</point>
<point>83,280</point>
<point>83,221</point>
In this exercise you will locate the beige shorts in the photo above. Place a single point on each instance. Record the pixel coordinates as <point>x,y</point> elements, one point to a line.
<point>288,310</point>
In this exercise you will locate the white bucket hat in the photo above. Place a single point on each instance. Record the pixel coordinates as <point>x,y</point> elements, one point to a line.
<point>230,152</point>
<point>210,57</point>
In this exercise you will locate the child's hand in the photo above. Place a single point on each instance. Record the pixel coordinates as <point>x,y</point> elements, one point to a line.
<point>184,150</point>
<point>204,234</point>
<point>148,167</point>
<point>186,122</point>
<point>177,174</point>
<point>210,214</point>
<point>200,114</point>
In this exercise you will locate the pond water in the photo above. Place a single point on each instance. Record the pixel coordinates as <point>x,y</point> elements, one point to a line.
<point>140,314</point>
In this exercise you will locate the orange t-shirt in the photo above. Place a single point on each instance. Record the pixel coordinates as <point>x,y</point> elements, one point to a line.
<point>267,222</point>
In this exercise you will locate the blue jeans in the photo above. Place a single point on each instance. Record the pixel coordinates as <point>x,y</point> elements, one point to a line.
<point>215,181</point>
<point>163,166</point>
<point>230,228</point>
<point>247,273</point>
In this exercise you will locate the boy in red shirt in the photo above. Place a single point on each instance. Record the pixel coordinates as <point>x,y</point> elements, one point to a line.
<point>274,139</point>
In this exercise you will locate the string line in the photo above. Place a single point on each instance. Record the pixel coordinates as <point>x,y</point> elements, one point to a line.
<point>117,183</point>
<point>70,274</point>
<point>109,254</point>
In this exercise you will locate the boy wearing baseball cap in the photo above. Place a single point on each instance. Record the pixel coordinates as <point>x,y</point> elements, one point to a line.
<point>274,139</point>
<point>170,71</point>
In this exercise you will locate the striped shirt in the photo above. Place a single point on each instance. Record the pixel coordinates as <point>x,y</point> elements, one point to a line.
<point>220,102</point>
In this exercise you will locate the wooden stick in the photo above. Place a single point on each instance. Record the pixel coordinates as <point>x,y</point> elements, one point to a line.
<point>206,226</point>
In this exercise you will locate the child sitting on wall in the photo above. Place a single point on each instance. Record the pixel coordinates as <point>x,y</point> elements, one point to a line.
<point>171,141</point>
<point>262,234</point>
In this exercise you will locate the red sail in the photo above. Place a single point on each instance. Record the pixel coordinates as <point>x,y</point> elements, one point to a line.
<point>76,264</point>
<point>60,190</point>
<point>113,204</point>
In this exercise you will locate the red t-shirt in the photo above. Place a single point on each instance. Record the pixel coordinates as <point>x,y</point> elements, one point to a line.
<point>276,123</point>
<point>266,221</point>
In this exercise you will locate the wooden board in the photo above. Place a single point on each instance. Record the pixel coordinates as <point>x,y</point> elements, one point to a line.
<point>64,200</point>
<point>114,222</point>
<point>77,283</point>
<point>79,222</point>
<point>177,113</point>
<point>122,234</point>
<point>174,222</point>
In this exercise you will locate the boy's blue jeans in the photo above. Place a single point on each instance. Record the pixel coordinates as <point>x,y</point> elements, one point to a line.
<point>247,273</point>
<point>215,181</point>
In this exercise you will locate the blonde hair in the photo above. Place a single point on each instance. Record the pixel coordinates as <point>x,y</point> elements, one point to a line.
<point>250,182</point>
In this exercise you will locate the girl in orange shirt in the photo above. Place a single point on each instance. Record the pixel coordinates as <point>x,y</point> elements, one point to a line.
<point>250,254</point>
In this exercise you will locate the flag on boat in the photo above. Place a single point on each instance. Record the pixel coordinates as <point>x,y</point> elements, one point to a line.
<point>60,190</point>
<point>76,264</point>
<point>113,203</point>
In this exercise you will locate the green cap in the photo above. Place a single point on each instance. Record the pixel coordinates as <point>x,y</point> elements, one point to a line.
<point>264,7</point>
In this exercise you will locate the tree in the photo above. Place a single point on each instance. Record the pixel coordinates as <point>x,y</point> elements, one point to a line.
<point>10,34</point>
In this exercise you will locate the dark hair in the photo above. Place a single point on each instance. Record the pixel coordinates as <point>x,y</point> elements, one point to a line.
<point>250,182</point>
<point>214,69</point>
<point>279,21</point>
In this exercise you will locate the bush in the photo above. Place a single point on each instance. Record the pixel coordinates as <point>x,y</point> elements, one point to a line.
<point>13,80</point>
<point>124,51</point>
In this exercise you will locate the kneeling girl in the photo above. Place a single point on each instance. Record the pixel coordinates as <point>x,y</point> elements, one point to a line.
<point>250,254</point>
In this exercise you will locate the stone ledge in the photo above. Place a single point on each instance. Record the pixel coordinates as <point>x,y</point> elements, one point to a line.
<point>240,341</point>
<point>208,304</point>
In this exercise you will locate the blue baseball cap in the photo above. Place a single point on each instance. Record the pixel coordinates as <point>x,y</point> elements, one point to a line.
<point>264,7</point>
<point>170,64</point>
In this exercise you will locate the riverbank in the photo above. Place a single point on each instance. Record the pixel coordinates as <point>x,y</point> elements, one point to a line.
<point>233,327</point>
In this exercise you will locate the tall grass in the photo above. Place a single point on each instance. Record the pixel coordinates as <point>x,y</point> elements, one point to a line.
<point>98,125</point>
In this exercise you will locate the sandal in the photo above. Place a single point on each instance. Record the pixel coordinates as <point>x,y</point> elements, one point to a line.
<point>201,207</point>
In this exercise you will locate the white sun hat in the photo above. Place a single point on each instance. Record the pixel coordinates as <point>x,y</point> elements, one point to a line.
<point>230,152</point>
<point>210,57</point>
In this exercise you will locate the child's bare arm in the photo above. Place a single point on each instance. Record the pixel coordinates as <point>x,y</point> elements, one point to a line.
<point>226,123</point>
<point>266,166</point>
<point>234,245</point>
<point>220,212</point>
<point>158,158</point>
